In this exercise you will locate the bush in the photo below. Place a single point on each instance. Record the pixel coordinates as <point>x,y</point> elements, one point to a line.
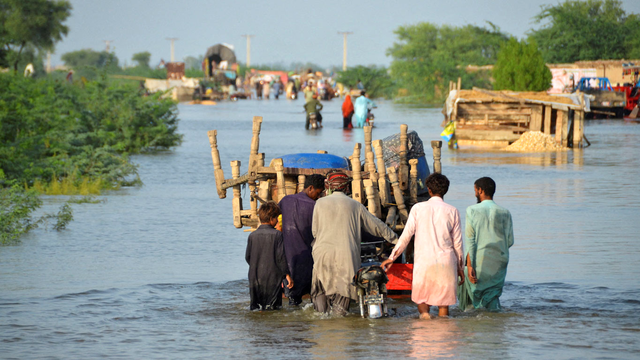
<point>520,67</point>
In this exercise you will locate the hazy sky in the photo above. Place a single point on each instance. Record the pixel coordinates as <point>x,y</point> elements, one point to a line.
<point>285,31</point>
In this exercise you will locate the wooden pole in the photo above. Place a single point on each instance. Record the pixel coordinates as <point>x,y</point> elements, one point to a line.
<point>237,195</point>
<point>301,180</point>
<point>367,146</point>
<point>392,214</point>
<point>217,167</point>
<point>282,191</point>
<point>383,184</point>
<point>547,120</point>
<point>437,152</point>
<point>397,194</point>
<point>255,160</point>
<point>373,176</point>
<point>536,118</point>
<point>403,174</point>
<point>264,192</point>
<point>413,188</point>
<point>565,128</point>
<point>459,83</point>
<point>356,183</point>
<point>372,204</point>
<point>578,126</point>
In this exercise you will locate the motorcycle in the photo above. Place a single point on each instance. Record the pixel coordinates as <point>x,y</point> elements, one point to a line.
<point>313,121</point>
<point>370,282</point>
<point>370,118</point>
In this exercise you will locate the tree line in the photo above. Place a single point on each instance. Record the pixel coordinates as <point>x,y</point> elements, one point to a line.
<point>427,56</point>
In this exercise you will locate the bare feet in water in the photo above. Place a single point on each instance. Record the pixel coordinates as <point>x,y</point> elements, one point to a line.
<point>426,316</point>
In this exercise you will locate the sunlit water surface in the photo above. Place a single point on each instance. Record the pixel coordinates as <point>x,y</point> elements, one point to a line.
<point>158,271</point>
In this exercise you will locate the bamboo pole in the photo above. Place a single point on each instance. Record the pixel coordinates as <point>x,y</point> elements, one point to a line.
<point>237,195</point>
<point>437,152</point>
<point>356,183</point>
<point>397,193</point>
<point>383,184</point>
<point>403,174</point>
<point>282,191</point>
<point>459,84</point>
<point>413,188</point>
<point>217,167</point>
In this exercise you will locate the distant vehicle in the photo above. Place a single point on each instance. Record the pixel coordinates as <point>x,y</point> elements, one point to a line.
<point>607,100</point>
<point>632,88</point>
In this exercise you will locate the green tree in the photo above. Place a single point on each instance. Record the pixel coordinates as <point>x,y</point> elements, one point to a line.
<point>88,57</point>
<point>194,63</point>
<point>31,24</point>
<point>587,30</point>
<point>427,56</point>
<point>376,80</point>
<point>520,67</point>
<point>142,58</point>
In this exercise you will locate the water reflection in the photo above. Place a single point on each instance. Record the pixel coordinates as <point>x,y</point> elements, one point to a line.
<point>558,159</point>
<point>434,338</point>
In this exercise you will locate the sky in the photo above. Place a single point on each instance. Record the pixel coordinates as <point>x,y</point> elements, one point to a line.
<point>285,31</point>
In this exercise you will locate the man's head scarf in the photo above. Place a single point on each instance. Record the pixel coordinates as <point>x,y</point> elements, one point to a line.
<point>337,181</point>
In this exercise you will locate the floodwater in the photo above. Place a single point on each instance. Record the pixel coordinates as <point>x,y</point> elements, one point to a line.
<point>158,271</point>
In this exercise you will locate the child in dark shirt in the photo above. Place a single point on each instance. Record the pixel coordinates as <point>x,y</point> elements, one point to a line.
<point>267,262</point>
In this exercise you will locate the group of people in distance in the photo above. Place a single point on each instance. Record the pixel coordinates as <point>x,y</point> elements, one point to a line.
<point>315,248</point>
<point>360,110</point>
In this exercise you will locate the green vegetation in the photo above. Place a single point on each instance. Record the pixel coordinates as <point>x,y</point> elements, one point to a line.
<point>58,138</point>
<point>28,28</point>
<point>520,67</point>
<point>428,56</point>
<point>587,30</point>
<point>376,80</point>
<point>90,64</point>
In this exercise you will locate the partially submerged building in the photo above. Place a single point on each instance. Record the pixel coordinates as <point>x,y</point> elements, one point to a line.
<point>499,118</point>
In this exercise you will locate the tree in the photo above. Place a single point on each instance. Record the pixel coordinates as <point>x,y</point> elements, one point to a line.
<point>376,80</point>
<point>195,63</point>
<point>520,67</point>
<point>88,57</point>
<point>427,56</point>
<point>586,30</point>
<point>31,23</point>
<point>142,58</point>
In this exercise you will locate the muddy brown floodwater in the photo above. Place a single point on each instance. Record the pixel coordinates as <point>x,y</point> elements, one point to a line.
<point>158,271</point>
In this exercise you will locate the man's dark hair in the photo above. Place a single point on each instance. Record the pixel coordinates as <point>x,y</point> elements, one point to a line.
<point>268,211</point>
<point>438,184</point>
<point>487,185</point>
<point>362,93</point>
<point>315,180</point>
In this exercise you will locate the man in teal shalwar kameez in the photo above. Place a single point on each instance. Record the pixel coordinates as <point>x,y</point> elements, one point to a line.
<point>488,237</point>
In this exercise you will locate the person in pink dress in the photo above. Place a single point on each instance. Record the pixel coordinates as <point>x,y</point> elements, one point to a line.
<point>437,249</point>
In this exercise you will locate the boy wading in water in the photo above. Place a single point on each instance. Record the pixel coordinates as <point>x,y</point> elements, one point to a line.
<point>267,261</point>
<point>438,249</point>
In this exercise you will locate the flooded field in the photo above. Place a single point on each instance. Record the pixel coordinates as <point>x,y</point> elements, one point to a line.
<point>158,271</point>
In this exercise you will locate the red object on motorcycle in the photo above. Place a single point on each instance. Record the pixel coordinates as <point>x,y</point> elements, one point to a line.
<point>400,277</point>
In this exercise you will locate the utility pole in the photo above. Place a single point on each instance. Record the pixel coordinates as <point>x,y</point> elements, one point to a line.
<point>108,42</point>
<point>248,37</point>
<point>344,48</point>
<point>173,57</point>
